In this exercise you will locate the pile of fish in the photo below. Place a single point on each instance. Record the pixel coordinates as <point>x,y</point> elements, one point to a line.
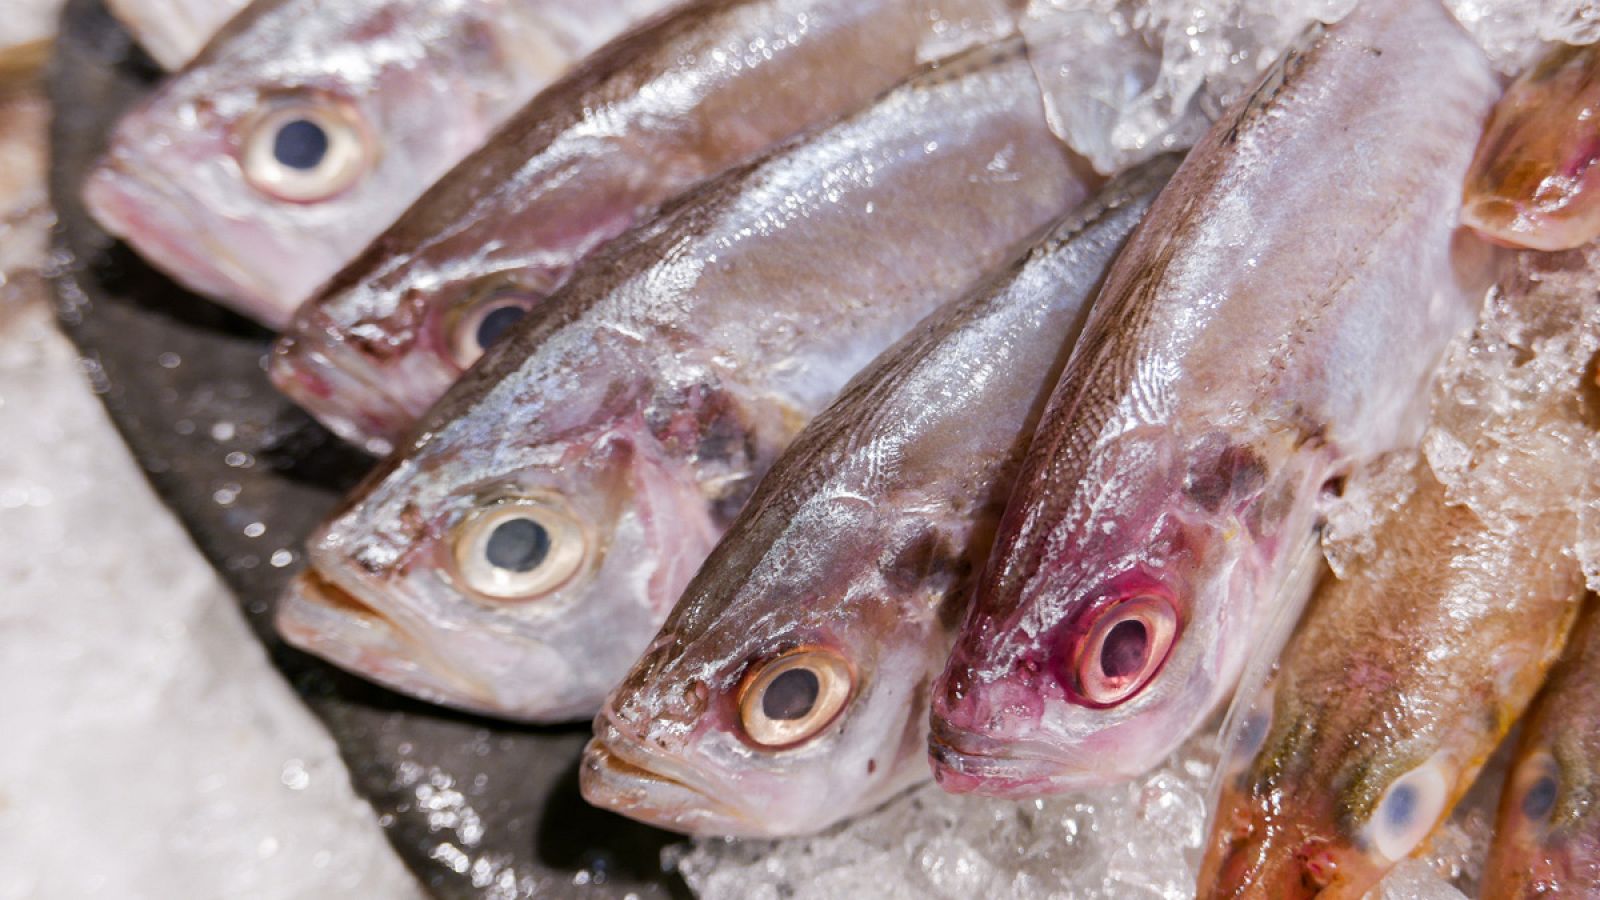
<point>803,390</point>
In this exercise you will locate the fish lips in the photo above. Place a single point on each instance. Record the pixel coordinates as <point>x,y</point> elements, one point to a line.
<point>966,763</point>
<point>625,777</point>
<point>152,220</point>
<point>329,379</point>
<point>321,618</point>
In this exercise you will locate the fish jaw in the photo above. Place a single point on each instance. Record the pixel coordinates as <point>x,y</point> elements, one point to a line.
<point>1260,851</point>
<point>349,391</point>
<point>1534,179</point>
<point>549,658</point>
<point>168,229</point>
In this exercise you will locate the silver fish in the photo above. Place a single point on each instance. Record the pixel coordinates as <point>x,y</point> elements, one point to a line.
<point>518,555</point>
<point>1275,320</point>
<point>307,126</point>
<point>704,91</point>
<point>789,688</point>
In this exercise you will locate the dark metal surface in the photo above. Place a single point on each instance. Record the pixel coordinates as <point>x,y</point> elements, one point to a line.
<point>477,808</point>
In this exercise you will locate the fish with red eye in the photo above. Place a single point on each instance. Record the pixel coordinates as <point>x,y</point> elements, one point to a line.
<point>1235,363</point>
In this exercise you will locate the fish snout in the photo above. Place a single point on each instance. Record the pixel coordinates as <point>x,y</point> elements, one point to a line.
<point>335,382</point>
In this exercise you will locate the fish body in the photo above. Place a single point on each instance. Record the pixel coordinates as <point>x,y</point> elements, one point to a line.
<point>1410,669</point>
<point>835,595</point>
<point>516,556</point>
<point>1547,839</point>
<point>704,91</point>
<point>174,31</point>
<point>1532,181</point>
<point>1277,317</point>
<point>307,126</point>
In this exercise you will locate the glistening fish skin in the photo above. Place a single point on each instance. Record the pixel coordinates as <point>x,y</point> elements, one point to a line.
<point>648,118</point>
<point>1277,317</point>
<point>1547,839</point>
<point>307,126</point>
<point>617,435</point>
<point>1534,181</point>
<point>1408,672</point>
<point>173,31</point>
<point>852,565</point>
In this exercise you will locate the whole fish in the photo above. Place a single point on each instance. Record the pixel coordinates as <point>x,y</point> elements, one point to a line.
<point>1408,671</point>
<point>517,556</point>
<point>648,119</point>
<point>1276,318</point>
<point>174,31</point>
<point>307,126</point>
<point>788,690</point>
<point>1538,157</point>
<point>1547,839</point>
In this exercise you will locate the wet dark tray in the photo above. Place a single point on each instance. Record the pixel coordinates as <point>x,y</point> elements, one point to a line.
<point>477,808</point>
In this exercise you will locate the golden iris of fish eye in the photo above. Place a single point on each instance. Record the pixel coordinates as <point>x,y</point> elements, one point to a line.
<point>465,325</point>
<point>347,156</point>
<point>834,681</point>
<point>564,557</point>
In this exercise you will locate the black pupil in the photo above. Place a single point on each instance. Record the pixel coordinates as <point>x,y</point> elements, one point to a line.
<point>300,145</point>
<point>791,695</point>
<point>518,545</point>
<point>1402,805</point>
<point>1540,799</point>
<point>1123,652</point>
<point>497,323</point>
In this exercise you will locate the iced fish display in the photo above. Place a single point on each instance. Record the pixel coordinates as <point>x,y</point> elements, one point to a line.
<point>1533,181</point>
<point>789,688</point>
<point>1411,667</point>
<point>1547,839</point>
<point>646,120</point>
<point>308,126</point>
<point>516,556</point>
<point>174,31</point>
<point>1275,321</point>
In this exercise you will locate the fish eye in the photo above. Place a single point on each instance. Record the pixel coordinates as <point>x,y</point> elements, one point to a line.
<point>1408,811</point>
<point>519,550</point>
<point>489,316</point>
<point>794,697</point>
<point>1537,786</point>
<point>306,150</point>
<point>1124,649</point>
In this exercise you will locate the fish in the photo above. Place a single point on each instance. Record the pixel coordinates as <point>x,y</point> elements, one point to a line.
<point>307,126</point>
<point>173,32</point>
<point>788,690</point>
<point>1547,837</point>
<point>704,92</point>
<point>1411,668</point>
<point>517,553</point>
<point>1276,319</point>
<point>1536,166</point>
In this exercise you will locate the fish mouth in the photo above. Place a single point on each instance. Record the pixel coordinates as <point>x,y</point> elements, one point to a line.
<point>967,763</point>
<point>618,775</point>
<point>330,380</point>
<point>153,221</point>
<point>323,619</point>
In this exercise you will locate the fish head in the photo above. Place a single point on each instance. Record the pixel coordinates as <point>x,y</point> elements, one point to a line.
<point>1534,180</point>
<point>1545,841</point>
<point>513,577</point>
<point>1322,795</point>
<point>394,329</point>
<point>785,695</point>
<point>255,172</point>
<point>1091,660</point>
